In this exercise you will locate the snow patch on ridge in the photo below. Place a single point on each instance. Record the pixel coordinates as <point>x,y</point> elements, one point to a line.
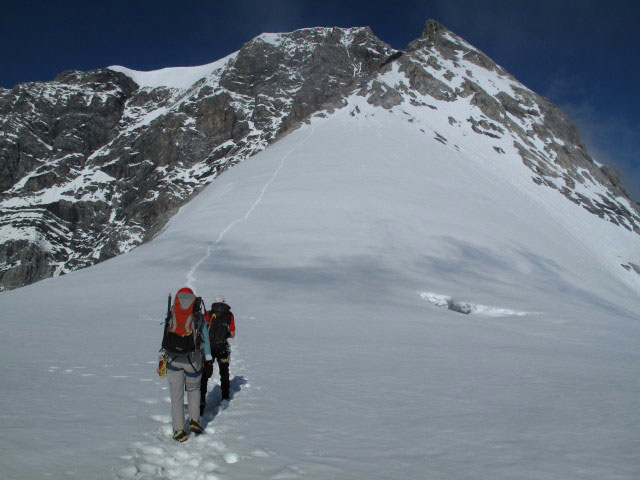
<point>445,301</point>
<point>172,77</point>
<point>271,38</point>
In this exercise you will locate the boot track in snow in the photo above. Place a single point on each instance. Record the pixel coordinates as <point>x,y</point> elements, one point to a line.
<point>191,274</point>
<point>207,455</point>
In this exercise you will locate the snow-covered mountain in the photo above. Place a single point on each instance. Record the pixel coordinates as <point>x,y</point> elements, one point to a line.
<point>349,250</point>
<point>95,163</point>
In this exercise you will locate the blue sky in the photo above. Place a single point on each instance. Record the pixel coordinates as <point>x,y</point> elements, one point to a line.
<point>583,55</point>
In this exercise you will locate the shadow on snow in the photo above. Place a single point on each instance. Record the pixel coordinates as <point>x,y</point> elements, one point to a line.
<point>214,399</point>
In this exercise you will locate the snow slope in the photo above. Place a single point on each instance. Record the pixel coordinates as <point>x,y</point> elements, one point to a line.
<point>330,246</point>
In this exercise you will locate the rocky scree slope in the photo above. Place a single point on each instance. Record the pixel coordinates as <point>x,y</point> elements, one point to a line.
<point>95,163</point>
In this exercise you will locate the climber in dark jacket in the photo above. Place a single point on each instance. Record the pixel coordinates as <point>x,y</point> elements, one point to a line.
<point>221,326</point>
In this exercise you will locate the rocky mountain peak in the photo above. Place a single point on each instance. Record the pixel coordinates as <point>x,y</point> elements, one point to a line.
<point>97,79</point>
<point>432,28</point>
<point>94,163</point>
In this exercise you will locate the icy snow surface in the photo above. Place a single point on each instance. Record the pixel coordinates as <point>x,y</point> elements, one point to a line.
<point>339,369</point>
<point>445,301</point>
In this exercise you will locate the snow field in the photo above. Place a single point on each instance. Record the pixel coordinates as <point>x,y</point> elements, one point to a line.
<point>340,369</point>
<point>363,227</point>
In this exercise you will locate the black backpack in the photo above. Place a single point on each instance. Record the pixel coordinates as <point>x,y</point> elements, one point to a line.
<point>220,326</point>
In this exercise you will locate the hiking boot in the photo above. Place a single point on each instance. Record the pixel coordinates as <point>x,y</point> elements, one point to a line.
<point>195,427</point>
<point>180,436</point>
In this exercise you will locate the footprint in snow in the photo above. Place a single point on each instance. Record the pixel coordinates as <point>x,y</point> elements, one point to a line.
<point>288,472</point>
<point>151,450</point>
<point>208,466</point>
<point>205,457</point>
<point>260,454</point>
<point>230,458</point>
<point>161,418</point>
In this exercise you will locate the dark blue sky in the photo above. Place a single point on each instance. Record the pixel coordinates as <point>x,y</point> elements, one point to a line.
<point>583,55</point>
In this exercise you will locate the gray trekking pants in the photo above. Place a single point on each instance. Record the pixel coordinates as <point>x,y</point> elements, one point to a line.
<point>183,373</point>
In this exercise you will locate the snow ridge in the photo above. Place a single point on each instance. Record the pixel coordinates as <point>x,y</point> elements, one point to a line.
<point>172,77</point>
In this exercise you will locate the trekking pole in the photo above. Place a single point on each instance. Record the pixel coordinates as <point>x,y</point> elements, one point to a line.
<point>163,357</point>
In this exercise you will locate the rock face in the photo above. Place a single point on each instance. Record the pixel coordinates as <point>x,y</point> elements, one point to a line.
<point>94,163</point>
<point>437,65</point>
